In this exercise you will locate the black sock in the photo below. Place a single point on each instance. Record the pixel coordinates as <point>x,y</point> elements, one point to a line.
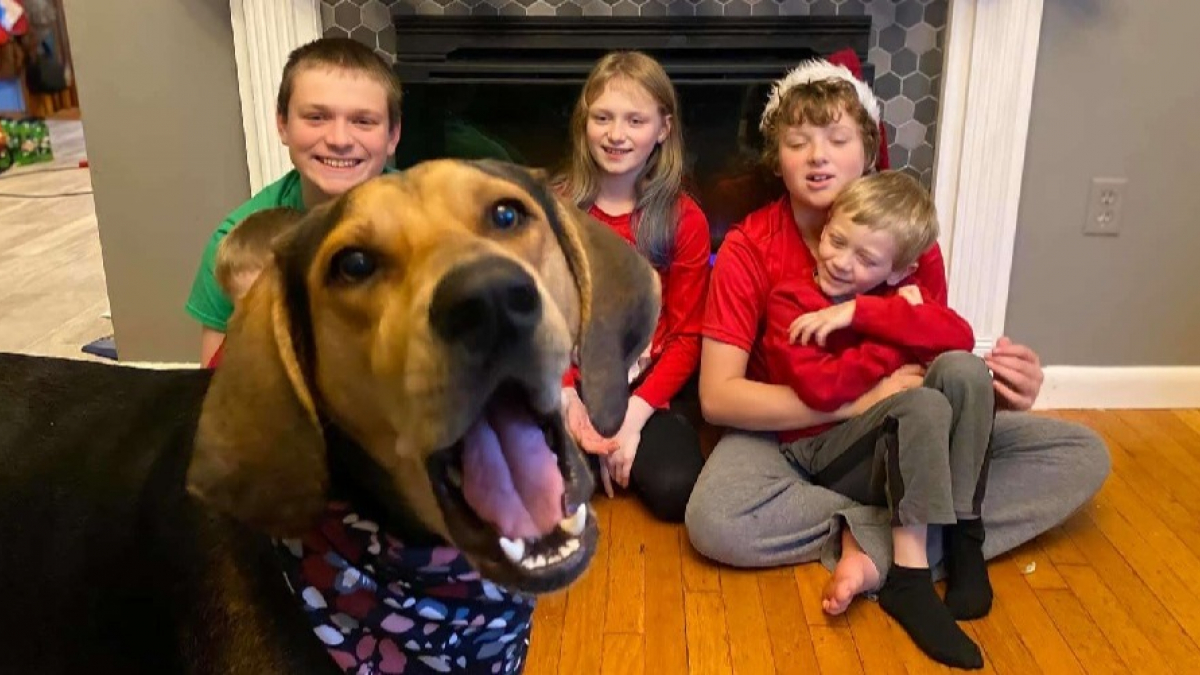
<point>909,598</point>
<point>968,589</point>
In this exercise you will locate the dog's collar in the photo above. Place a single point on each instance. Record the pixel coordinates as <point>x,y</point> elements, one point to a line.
<point>396,608</point>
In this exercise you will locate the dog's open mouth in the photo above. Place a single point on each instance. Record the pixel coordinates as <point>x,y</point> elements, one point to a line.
<point>514,494</point>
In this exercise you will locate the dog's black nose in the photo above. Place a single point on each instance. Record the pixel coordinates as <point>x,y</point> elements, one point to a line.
<point>485,305</point>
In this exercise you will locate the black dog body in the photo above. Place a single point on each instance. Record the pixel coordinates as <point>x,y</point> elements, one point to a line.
<point>107,565</point>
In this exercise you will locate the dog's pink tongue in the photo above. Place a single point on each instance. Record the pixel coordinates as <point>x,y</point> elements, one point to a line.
<point>510,476</point>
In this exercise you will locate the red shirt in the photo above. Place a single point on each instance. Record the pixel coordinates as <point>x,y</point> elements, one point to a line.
<point>887,332</point>
<point>216,357</point>
<point>766,250</point>
<point>675,347</point>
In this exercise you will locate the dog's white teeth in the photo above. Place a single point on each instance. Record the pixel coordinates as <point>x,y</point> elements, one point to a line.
<point>514,549</point>
<point>454,475</point>
<point>574,524</point>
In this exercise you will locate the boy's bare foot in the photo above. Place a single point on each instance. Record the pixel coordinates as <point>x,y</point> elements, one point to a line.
<point>854,574</point>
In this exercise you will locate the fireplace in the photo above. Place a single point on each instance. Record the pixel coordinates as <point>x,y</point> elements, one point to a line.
<point>503,87</point>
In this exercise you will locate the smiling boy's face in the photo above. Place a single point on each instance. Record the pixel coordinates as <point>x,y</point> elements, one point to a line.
<point>336,131</point>
<point>853,259</point>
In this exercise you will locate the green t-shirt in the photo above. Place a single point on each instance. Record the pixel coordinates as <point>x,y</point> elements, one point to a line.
<point>207,303</point>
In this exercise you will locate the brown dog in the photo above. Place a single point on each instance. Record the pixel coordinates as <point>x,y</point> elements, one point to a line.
<point>404,351</point>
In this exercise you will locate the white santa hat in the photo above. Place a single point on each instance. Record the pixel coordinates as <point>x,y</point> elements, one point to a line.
<point>816,70</point>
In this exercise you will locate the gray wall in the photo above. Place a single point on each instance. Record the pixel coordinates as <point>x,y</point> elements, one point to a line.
<point>1116,95</point>
<point>159,96</point>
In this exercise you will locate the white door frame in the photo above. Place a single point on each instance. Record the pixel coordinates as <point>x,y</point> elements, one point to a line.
<point>264,33</point>
<point>987,85</point>
<point>991,51</point>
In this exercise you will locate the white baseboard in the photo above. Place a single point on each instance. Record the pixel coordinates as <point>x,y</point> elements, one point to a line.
<point>157,365</point>
<point>1093,387</point>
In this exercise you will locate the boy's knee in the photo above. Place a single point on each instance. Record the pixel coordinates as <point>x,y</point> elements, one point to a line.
<point>1092,456</point>
<point>960,366</point>
<point>713,532</point>
<point>924,402</point>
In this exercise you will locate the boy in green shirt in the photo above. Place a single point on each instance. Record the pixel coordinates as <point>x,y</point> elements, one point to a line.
<point>338,113</point>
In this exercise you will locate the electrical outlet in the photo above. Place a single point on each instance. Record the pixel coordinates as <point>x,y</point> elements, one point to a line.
<point>1106,203</point>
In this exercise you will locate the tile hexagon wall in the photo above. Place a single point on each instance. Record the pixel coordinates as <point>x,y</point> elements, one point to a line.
<point>906,44</point>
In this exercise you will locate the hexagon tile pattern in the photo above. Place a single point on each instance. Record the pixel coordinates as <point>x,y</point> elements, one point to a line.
<point>906,45</point>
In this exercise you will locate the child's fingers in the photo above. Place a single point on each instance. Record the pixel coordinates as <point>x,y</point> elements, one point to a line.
<point>1014,399</point>
<point>605,480</point>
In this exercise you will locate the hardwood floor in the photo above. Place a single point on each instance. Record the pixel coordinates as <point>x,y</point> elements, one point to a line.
<point>53,296</point>
<point>1116,589</point>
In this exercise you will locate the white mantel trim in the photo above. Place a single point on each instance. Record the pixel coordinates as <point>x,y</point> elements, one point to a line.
<point>987,88</point>
<point>264,33</point>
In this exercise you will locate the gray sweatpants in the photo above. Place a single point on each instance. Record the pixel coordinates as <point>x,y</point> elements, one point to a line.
<point>922,453</point>
<point>751,507</point>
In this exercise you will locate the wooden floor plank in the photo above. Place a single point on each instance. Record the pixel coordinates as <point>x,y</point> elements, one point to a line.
<point>875,638</point>
<point>1167,424</point>
<point>1088,644</point>
<point>666,634</point>
<point>835,650</point>
<point>582,638</point>
<point>699,574</point>
<point>707,636</point>
<point>749,638</point>
<point>1139,601</point>
<point>1106,612</point>
<point>1002,642</point>
<point>545,643</point>
<point>1155,571</point>
<point>1035,565</point>
<point>1192,419</point>
<point>791,642</point>
<point>1157,460</point>
<point>1148,522</point>
<point>1184,522</point>
<point>624,654</point>
<point>627,568</point>
<point>1015,596</point>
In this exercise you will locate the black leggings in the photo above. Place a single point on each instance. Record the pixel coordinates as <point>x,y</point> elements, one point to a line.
<point>667,463</point>
<point>666,466</point>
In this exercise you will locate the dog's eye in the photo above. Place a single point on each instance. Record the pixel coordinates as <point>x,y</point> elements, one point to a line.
<point>353,265</point>
<point>507,214</point>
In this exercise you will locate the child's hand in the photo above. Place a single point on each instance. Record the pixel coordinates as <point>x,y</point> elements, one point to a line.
<point>619,463</point>
<point>1016,374</point>
<point>579,425</point>
<point>912,294</point>
<point>818,325</point>
<point>905,377</point>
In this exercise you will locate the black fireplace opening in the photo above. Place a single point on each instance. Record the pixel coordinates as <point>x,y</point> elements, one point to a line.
<point>504,88</point>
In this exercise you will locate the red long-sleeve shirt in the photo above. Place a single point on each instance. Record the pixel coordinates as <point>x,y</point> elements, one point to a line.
<point>675,347</point>
<point>762,253</point>
<point>883,336</point>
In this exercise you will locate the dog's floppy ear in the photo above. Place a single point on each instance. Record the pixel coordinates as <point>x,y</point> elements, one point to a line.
<point>259,449</point>
<point>619,305</point>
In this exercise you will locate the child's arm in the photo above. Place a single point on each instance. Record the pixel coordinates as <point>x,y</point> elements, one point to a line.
<point>926,329</point>
<point>825,374</point>
<point>677,353</point>
<point>826,380</point>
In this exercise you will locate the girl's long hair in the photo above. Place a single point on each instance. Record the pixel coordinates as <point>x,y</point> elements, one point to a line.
<point>658,187</point>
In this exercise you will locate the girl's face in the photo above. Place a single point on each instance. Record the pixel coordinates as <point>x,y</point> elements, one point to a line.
<point>624,126</point>
<point>817,163</point>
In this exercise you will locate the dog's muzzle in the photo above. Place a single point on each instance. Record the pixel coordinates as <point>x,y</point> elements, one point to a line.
<point>484,305</point>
